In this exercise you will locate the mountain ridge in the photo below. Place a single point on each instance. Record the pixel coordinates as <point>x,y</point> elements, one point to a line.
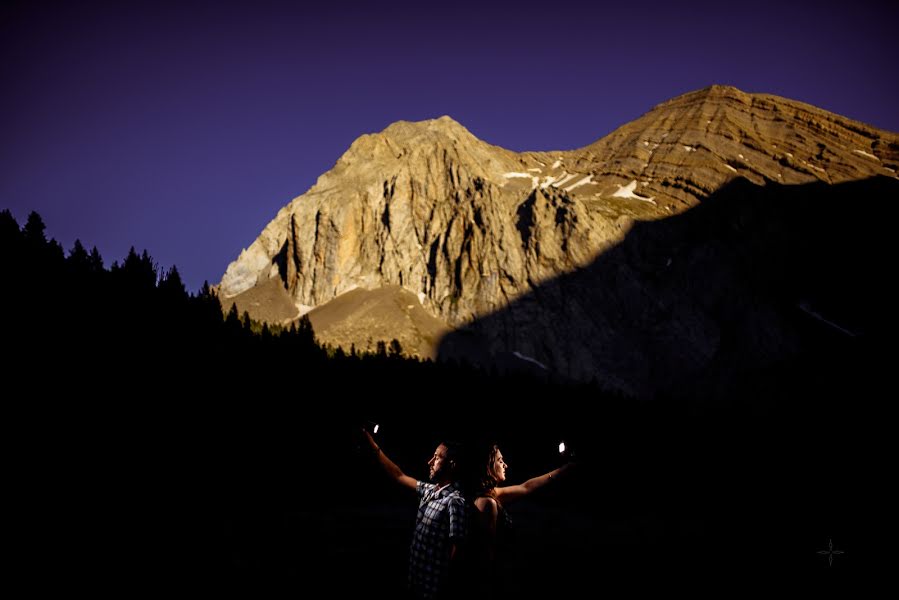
<point>467,227</point>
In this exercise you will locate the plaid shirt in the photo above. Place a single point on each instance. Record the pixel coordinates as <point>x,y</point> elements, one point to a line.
<point>442,520</point>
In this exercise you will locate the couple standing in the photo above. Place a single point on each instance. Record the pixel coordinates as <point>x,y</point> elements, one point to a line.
<point>462,522</point>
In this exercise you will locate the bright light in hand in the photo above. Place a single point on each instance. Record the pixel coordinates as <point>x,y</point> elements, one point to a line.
<point>561,447</point>
<point>376,427</point>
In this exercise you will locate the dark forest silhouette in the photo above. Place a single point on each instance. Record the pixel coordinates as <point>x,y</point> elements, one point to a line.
<point>172,440</point>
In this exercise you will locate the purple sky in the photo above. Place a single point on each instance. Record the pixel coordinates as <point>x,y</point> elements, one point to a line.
<point>183,127</point>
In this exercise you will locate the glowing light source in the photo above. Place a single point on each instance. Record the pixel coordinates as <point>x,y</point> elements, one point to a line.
<point>561,447</point>
<point>376,428</point>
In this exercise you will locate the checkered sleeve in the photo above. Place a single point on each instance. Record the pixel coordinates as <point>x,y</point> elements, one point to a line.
<point>458,518</point>
<point>423,488</point>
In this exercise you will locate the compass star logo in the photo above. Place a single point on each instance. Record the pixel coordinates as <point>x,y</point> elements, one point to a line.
<point>830,552</point>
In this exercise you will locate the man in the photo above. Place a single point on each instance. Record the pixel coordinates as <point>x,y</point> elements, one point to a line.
<point>441,526</point>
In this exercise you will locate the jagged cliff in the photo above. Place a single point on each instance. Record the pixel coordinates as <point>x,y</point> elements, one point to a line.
<point>469,228</point>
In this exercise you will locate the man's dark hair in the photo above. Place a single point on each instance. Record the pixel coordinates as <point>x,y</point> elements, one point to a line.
<point>454,451</point>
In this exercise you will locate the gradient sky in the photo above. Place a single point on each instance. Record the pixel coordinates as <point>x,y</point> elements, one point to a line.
<point>183,127</point>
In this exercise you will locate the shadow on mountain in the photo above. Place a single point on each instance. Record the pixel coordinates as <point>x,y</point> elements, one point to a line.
<point>729,300</point>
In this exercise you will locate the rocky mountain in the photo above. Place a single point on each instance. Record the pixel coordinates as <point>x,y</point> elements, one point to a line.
<point>609,261</point>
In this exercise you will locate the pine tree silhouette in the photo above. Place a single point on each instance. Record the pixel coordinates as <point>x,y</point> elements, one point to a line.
<point>138,272</point>
<point>172,286</point>
<point>95,260</point>
<point>34,229</point>
<point>304,332</point>
<point>9,228</point>
<point>79,259</point>
<point>232,321</point>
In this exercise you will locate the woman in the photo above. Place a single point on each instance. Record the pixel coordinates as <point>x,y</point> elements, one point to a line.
<point>493,533</point>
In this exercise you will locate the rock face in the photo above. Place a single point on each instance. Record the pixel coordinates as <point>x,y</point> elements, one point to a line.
<point>365,317</point>
<point>481,237</point>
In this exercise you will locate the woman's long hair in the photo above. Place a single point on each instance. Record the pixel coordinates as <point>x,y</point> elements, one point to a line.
<point>482,478</point>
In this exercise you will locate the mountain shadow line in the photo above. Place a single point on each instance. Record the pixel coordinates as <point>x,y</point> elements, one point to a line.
<point>713,302</point>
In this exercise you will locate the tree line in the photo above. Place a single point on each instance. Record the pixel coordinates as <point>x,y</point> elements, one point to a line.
<point>133,325</point>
